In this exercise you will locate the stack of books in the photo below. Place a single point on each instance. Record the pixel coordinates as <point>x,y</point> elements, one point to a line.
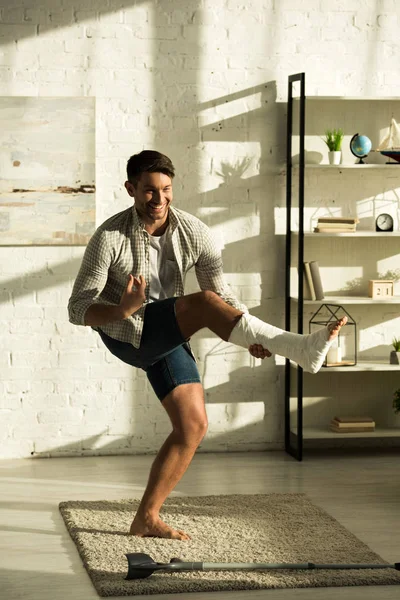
<point>352,424</point>
<point>336,225</point>
<point>313,283</point>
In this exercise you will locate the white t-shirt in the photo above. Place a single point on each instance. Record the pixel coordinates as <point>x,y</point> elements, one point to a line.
<point>162,270</point>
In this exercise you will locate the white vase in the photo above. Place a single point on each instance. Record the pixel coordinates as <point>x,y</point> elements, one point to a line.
<point>335,157</point>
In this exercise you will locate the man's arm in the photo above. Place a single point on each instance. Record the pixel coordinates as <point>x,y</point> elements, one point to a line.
<point>132,299</point>
<point>84,307</point>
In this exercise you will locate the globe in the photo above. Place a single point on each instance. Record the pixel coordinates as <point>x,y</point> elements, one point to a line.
<point>360,146</point>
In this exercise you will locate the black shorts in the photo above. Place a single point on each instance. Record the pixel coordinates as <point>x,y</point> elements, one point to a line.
<point>164,354</point>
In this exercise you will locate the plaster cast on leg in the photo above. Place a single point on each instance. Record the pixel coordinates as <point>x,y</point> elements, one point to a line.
<point>308,351</point>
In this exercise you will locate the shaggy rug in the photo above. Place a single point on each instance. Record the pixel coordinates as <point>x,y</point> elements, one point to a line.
<point>273,528</point>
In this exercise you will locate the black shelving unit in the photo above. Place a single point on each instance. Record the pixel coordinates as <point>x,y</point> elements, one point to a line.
<point>296,437</point>
<point>294,441</point>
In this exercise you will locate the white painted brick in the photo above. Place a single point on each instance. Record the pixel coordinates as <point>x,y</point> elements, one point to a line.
<point>15,342</point>
<point>58,374</point>
<point>137,384</point>
<point>111,17</point>
<point>41,388</point>
<point>12,15</point>
<point>94,400</point>
<point>76,358</point>
<point>72,32</point>
<point>26,359</point>
<point>64,415</point>
<point>110,386</point>
<point>15,32</point>
<point>50,75</point>
<point>17,387</point>
<point>136,15</point>
<point>107,31</point>
<point>118,369</point>
<point>36,431</point>
<point>10,401</point>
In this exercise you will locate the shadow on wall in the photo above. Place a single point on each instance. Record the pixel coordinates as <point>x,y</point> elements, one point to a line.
<point>173,108</point>
<point>47,277</point>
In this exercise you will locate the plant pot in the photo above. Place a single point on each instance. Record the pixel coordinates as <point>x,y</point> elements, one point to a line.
<point>335,156</point>
<point>394,358</point>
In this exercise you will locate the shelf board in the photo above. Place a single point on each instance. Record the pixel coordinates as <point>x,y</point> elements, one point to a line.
<point>319,433</point>
<point>350,300</point>
<point>352,98</point>
<point>391,234</point>
<point>362,365</point>
<point>349,166</point>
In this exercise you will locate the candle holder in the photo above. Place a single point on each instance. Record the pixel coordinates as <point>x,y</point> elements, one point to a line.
<point>344,353</point>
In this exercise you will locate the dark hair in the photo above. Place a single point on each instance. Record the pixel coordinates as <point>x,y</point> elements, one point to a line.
<point>148,161</point>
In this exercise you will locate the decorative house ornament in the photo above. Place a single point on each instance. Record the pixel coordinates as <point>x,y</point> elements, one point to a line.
<point>343,352</point>
<point>380,289</point>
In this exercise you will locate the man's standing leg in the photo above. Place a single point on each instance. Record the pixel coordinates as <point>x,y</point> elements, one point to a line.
<point>186,409</point>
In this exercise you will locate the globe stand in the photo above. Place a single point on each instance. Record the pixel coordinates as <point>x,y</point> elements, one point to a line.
<point>361,162</point>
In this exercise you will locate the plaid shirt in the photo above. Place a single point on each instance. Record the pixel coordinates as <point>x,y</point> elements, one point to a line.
<point>121,246</point>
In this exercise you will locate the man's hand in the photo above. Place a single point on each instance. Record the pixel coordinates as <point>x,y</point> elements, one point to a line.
<point>259,351</point>
<point>133,296</point>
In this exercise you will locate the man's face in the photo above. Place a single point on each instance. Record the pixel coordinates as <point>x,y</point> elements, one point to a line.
<point>153,195</point>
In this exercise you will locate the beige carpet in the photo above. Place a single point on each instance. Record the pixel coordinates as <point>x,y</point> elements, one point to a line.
<point>236,528</point>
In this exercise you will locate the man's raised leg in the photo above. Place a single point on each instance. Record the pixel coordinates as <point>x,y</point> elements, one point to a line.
<point>186,409</point>
<point>207,309</point>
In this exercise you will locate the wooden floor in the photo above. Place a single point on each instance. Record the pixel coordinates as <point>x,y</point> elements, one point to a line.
<point>39,561</point>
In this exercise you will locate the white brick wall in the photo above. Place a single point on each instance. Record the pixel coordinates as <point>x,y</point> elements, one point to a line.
<point>202,82</point>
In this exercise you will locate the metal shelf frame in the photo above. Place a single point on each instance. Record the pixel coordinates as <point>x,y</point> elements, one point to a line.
<point>294,438</point>
<point>293,442</point>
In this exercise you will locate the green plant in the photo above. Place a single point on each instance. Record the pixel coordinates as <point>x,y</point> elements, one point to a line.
<point>333,139</point>
<point>396,401</point>
<point>396,344</point>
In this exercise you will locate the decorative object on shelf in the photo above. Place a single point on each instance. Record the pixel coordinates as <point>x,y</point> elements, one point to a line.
<point>333,139</point>
<point>396,401</point>
<point>390,145</point>
<point>384,223</point>
<point>336,225</point>
<point>360,146</point>
<point>346,340</point>
<point>381,289</point>
<point>309,287</point>
<point>316,279</point>
<point>395,354</point>
<point>352,424</point>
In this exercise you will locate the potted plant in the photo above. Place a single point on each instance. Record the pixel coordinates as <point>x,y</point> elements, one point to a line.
<point>395,354</point>
<point>333,139</point>
<point>396,401</point>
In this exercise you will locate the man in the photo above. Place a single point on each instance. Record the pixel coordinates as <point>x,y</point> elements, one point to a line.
<point>130,289</point>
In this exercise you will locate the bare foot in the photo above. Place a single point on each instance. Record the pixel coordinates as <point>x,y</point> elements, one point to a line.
<point>149,527</point>
<point>317,345</point>
<point>334,328</point>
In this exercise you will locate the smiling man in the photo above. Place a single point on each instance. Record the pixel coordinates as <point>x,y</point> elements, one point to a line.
<point>130,289</point>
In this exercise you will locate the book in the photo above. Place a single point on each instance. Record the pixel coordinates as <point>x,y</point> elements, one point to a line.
<point>333,230</point>
<point>353,425</point>
<point>309,281</point>
<point>349,220</point>
<point>354,419</point>
<point>351,429</point>
<point>337,225</point>
<point>316,279</point>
